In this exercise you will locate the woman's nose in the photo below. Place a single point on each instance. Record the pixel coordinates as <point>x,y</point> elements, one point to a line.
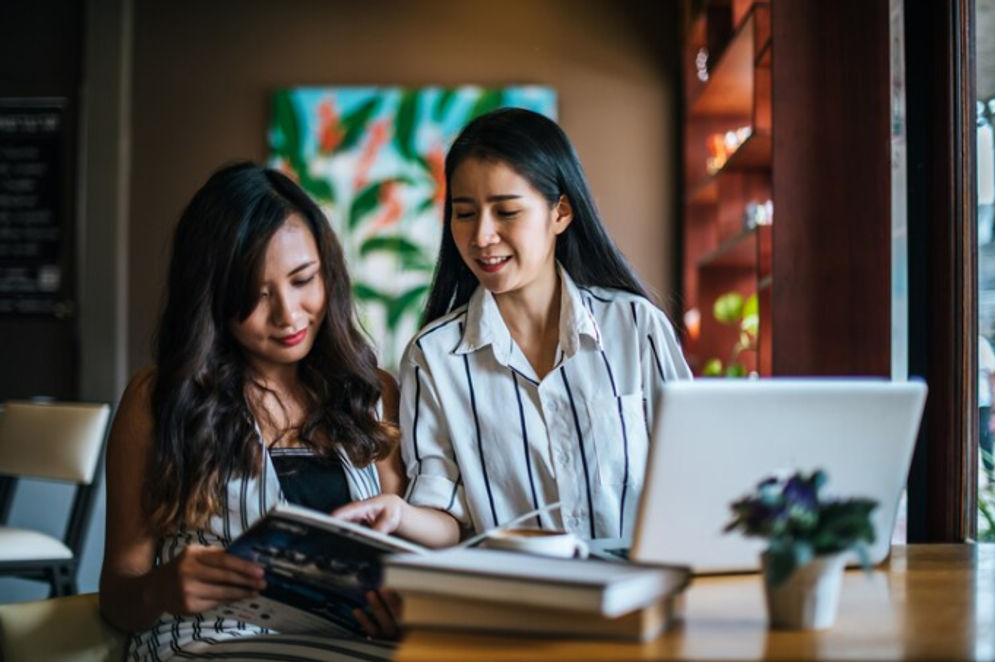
<point>486,233</point>
<point>284,309</point>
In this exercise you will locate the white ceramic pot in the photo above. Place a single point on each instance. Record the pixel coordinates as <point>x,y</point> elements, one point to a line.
<point>808,599</point>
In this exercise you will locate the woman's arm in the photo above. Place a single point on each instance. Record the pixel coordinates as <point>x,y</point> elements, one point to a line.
<point>390,513</point>
<point>134,593</point>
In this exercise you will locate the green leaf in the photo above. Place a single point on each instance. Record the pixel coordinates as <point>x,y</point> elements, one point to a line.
<point>443,104</point>
<point>802,552</point>
<point>735,370</point>
<point>404,124</point>
<point>319,189</point>
<point>750,323</point>
<point>366,201</point>
<point>728,308</point>
<point>409,254</point>
<point>426,205</point>
<point>819,479</point>
<point>355,123</point>
<point>487,101</point>
<point>287,141</point>
<point>713,368</point>
<point>751,306</point>
<point>394,244</point>
<point>423,162</point>
<point>410,300</point>
<point>364,292</point>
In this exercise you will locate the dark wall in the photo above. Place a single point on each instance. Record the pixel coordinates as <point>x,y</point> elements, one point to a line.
<point>40,56</point>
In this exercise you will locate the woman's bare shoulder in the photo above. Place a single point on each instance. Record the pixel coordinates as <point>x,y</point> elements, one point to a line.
<point>134,414</point>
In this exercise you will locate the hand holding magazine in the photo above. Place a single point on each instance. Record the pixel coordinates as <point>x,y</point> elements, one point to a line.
<point>318,569</point>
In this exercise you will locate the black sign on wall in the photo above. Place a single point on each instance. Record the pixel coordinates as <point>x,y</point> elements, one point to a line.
<point>32,135</point>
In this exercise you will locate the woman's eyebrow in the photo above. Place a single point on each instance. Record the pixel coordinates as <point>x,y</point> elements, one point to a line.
<point>490,198</point>
<point>302,267</point>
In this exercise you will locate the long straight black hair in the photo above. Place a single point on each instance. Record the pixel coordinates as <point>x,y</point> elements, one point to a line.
<point>537,149</point>
<point>204,429</point>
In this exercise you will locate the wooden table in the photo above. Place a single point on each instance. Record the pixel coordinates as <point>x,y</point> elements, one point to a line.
<point>928,602</point>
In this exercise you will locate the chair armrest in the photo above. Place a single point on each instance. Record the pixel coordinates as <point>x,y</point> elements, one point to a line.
<point>66,629</point>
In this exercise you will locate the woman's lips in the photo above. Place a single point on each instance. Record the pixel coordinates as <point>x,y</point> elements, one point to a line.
<point>490,265</point>
<point>293,339</point>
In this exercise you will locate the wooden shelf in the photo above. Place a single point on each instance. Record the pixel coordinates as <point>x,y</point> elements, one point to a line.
<point>705,192</point>
<point>753,154</point>
<point>729,89</point>
<point>719,255</point>
<point>736,252</point>
<point>763,59</point>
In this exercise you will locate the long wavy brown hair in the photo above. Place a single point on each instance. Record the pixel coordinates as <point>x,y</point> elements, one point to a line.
<point>204,427</point>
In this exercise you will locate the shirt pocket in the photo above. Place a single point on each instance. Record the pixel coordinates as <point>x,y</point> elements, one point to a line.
<point>620,438</point>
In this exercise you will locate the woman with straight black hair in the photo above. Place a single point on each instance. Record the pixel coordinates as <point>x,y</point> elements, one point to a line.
<point>263,390</point>
<point>534,379</point>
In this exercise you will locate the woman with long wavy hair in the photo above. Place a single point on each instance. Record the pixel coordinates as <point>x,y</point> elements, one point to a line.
<point>263,389</point>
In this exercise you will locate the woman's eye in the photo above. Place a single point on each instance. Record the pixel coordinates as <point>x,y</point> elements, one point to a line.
<point>508,213</point>
<point>463,214</point>
<point>304,281</point>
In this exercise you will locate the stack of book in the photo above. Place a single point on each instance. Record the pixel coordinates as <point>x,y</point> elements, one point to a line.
<point>497,591</point>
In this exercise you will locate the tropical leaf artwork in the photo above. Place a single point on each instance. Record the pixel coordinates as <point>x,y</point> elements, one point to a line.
<point>372,158</point>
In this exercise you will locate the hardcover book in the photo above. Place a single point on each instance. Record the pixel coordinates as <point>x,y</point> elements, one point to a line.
<point>643,624</point>
<point>604,588</point>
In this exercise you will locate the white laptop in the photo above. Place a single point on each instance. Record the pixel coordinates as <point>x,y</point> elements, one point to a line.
<point>714,440</point>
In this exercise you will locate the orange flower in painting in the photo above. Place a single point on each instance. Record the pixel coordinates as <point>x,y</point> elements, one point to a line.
<point>391,208</point>
<point>330,132</point>
<point>379,134</point>
<point>436,159</point>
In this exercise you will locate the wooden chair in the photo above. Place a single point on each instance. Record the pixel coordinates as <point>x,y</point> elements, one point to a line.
<point>53,441</point>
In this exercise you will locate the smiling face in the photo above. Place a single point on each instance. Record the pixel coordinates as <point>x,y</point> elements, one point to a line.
<point>504,229</point>
<point>282,327</point>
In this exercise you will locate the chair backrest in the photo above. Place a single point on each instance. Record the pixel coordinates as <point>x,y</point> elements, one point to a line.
<point>57,440</point>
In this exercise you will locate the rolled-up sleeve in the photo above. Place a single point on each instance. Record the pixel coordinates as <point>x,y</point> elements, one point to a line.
<point>434,478</point>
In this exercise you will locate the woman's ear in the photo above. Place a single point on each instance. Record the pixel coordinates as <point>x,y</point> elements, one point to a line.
<point>563,214</point>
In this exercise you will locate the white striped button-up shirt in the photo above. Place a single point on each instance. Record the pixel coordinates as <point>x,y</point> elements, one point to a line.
<point>485,440</point>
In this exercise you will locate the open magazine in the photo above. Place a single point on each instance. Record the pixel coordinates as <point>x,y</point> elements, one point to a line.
<point>318,569</point>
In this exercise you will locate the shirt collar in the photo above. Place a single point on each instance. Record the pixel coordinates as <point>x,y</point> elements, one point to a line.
<point>485,326</point>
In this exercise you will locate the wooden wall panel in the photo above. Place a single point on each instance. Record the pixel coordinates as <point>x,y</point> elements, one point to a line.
<point>831,184</point>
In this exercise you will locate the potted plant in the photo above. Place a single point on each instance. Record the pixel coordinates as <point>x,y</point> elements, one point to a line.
<point>808,538</point>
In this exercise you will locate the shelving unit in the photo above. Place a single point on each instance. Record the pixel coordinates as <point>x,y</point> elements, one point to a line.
<point>729,90</point>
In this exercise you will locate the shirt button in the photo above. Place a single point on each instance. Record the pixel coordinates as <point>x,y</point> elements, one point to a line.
<point>562,459</point>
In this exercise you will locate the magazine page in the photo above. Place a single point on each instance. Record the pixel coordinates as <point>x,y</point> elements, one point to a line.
<point>317,570</point>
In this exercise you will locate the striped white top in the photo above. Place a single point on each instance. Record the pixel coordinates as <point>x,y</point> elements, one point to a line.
<point>246,500</point>
<point>484,439</point>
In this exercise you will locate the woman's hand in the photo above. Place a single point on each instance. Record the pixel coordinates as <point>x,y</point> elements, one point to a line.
<point>202,578</point>
<point>389,513</point>
<point>383,513</point>
<point>385,608</point>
